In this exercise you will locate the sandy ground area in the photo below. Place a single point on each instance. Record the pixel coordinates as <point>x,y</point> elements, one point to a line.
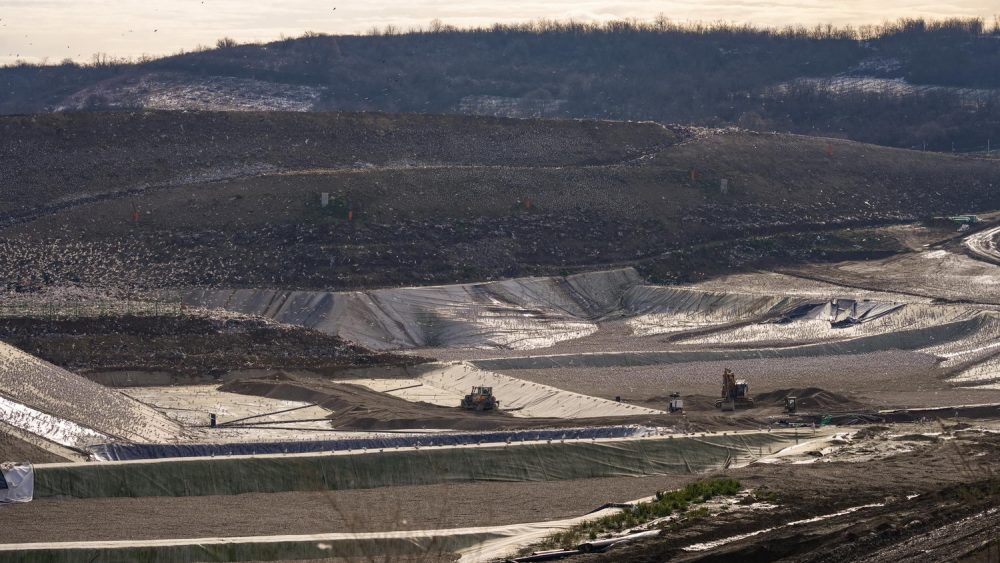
<point>240,418</point>
<point>521,398</point>
<point>385,509</point>
<point>14,448</point>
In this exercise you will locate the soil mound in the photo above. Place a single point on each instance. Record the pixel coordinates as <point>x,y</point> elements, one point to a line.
<point>13,448</point>
<point>357,408</point>
<point>808,398</point>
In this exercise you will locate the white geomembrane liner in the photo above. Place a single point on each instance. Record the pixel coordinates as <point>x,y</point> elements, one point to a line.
<point>520,314</point>
<point>58,430</point>
<point>59,403</point>
<point>448,383</point>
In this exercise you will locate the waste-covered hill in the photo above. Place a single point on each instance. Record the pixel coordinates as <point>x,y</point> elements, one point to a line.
<point>192,346</point>
<point>48,161</point>
<point>154,200</point>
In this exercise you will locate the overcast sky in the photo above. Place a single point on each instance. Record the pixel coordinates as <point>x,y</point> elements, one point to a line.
<point>34,30</point>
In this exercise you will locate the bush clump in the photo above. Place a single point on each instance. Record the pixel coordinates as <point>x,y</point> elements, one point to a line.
<point>664,504</point>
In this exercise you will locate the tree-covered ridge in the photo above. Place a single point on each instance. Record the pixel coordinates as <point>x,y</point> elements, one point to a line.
<point>714,74</point>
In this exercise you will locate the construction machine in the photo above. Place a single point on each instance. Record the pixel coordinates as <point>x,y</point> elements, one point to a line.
<point>735,393</point>
<point>790,405</point>
<point>481,399</point>
<point>676,403</point>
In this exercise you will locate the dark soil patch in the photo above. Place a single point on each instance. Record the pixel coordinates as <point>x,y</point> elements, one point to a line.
<point>13,448</point>
<point>188,346</point>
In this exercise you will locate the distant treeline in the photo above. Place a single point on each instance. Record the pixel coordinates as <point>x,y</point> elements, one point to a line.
<point>708,74</point>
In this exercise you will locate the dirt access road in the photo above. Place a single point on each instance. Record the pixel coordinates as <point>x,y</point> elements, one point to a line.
<point>983,244</point>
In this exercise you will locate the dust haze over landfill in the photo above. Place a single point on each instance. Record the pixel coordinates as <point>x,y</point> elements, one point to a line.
<point>481,282</point>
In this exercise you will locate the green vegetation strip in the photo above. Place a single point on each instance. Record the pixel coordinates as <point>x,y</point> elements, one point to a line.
<point>529,462</point>
<point>665,504</point>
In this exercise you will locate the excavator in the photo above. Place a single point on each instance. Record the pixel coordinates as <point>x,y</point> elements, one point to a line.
<point>481,399</point>
<point>735,393</point>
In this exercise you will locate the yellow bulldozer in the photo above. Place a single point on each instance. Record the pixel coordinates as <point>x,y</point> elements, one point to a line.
<point>481,399</point>
<point>735,393</point>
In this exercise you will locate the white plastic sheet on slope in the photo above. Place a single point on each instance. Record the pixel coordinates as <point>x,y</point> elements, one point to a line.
<point>525,398</point>
<point>664,310</point>
<point>519,314</point>
<point>413,390</point>
<point>17,482</point>
<point>54,429</point>
<point>448,383</point>
<point>30,382</point>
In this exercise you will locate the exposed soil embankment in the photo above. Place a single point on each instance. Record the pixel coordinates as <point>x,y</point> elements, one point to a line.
<point>812,398</point>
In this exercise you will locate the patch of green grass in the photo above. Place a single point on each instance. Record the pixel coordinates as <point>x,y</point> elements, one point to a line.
<point>665,503</point>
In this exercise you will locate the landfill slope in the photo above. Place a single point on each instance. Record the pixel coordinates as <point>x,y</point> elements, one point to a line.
<point>145,201</point>
<point>41,398</point>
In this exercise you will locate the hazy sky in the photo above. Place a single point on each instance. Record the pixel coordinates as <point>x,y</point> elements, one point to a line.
<point>34,30</point>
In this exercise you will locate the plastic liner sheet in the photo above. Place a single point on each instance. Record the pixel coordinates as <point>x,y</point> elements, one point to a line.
<point>848,312</point>
<point>554,461</point>
<point>17,482</point>
<point>522,313</point>
<point>69,409</point>
<point>841,313</point>
<point>915,339</point>
<point>128,452</point>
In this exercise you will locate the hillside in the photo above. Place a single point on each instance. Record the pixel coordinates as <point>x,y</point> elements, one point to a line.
<point>49,160</point>
<point>152,200</point>
<point>910,83</point>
